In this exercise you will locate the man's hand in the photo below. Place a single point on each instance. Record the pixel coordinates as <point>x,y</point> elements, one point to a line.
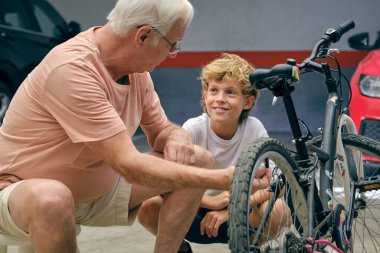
<point>179,147</point>
<point>217,202</point>
<point>212,221</point>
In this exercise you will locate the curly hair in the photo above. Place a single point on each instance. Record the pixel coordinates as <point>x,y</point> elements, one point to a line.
<point>225,68</point>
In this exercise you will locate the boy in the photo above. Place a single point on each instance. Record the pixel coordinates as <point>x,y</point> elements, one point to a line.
<point>225,129</point>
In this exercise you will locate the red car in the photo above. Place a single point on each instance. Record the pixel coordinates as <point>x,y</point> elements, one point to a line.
<point>364,108</point>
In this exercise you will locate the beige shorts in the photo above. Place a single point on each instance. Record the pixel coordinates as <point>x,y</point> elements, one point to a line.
<point>109,210</point>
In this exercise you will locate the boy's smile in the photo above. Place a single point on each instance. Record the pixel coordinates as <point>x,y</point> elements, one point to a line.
<point>220,109</point>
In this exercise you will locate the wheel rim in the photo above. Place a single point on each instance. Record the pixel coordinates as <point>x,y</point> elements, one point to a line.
<point>255,226</point>
<point>273,240</point>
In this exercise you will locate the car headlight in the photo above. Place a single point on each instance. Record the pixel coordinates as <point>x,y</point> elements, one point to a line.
<point>370,85</point>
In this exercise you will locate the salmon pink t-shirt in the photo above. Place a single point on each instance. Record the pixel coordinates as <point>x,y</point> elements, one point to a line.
<point>67,100</point>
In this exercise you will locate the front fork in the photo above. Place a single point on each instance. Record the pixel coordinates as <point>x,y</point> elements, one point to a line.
<point>347,172</point>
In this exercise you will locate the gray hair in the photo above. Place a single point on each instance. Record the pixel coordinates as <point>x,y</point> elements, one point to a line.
<point>161,14</point>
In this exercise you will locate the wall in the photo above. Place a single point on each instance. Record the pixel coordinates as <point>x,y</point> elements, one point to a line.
<point>266,32</point>
<point>250,24</point>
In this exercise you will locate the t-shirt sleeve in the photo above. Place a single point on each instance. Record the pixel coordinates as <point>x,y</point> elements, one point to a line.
<point>197,129</point>
<point>188,126</point>
<point>257,125</point>
<point>261,129</point>
<point>74,96</point>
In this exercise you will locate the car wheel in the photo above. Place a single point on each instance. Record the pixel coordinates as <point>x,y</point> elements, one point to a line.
<point>5,98</point>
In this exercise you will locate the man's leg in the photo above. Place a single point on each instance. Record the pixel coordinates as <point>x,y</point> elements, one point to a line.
<point>176,215</point>
<point>45,209</point>
<point>171,216</point>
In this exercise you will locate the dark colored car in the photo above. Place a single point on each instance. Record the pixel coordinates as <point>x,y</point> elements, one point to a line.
<point>365,84</point>
<point>29,29</point>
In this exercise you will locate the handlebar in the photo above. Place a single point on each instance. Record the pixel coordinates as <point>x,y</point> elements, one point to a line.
<point>264,78</point>
<point>334,35</point>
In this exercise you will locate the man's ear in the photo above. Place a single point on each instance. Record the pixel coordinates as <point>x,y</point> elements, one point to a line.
<point>142,34</point>
<point>249,102</point>
<point>143,37</point>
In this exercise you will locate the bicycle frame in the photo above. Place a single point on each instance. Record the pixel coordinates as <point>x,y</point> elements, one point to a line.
<point>332,145</point>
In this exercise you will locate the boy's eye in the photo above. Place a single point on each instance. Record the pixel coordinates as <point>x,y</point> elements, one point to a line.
<point>231,92</point>
<point>213,90</point>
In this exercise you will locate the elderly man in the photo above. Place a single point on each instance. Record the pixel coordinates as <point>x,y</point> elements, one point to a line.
<point>66,154</point>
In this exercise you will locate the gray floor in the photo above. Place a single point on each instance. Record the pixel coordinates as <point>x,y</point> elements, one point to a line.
<point>132,239</point>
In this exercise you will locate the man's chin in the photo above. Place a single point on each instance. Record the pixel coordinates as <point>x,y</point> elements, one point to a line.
<point>151,69</point>
<point>146,70</point>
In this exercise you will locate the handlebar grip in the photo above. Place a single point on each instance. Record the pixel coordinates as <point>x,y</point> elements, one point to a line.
<point>268,78</point>
<point>334,34</point>
<point>345,27</point>
<point>257,76</point>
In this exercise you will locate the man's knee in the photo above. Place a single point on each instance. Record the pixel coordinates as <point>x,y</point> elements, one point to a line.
<point>40,202</point>
<point>52,199</point>
<point>203,158</point>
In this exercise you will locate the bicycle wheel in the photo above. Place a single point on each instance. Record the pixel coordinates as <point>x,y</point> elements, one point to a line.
<point>366,198</point>
<point>256,215</point>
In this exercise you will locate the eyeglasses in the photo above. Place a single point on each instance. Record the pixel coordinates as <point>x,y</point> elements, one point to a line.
<point>174,47</point>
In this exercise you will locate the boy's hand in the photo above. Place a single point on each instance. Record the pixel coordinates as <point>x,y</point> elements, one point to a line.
<point>212,221</point>
<point>179,147</point>
<point>262,178</point>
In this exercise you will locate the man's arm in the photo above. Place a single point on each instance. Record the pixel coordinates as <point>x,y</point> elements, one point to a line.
<point>176,144</point>
<point>139,168</point>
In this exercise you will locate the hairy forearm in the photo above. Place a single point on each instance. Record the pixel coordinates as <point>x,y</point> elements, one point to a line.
<point>145,169</point>
<point>156,172</point>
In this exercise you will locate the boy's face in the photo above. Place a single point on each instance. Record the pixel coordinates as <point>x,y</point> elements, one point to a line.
<point>225,101</point>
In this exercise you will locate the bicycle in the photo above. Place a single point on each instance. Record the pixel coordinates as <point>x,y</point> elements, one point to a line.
<point>320,199</point>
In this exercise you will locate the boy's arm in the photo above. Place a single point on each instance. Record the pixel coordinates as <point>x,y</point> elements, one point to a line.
<point>217,202</point>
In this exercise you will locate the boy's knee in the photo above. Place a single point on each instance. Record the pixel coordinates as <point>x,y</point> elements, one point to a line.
<point>203,158</point>
<point>149,211</point>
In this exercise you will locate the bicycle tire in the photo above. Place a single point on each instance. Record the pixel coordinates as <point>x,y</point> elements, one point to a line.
<point>362,143</point>
<point>366,224</point>
<point>241,207</point>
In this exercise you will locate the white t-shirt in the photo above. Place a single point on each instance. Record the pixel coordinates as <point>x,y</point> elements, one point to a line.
<point>226,152</point>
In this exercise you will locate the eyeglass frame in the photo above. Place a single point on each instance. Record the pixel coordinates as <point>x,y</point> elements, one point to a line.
<point>175,47</point>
